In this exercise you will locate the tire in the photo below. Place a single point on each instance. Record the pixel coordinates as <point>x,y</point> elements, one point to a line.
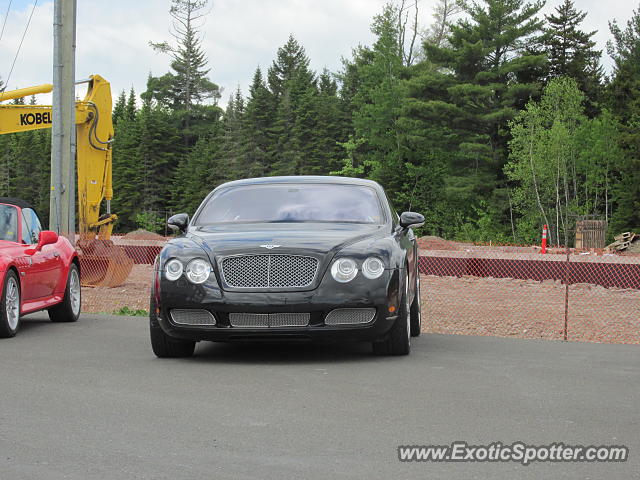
<point>416,310</point>
<point>398,340</point>
<point>68,310</point>
<point>163,345</point>
<point>10,306</point>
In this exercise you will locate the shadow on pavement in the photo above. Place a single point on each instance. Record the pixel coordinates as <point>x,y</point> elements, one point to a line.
<point>28,323</point>
<point>281,353</point>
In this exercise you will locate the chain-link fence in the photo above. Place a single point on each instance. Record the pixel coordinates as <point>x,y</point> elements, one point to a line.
<point>130,294</point>
<point>469,289</point>
<point>516,291</point>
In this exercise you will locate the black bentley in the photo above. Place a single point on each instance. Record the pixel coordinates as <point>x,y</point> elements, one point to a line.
<point>289,258</point>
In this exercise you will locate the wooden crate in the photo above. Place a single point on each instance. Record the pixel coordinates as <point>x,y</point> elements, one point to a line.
<point>591,233</point>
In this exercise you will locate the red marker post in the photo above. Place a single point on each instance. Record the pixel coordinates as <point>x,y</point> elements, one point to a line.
<point>544,240</point>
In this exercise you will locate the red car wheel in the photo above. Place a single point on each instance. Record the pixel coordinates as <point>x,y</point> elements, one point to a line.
<point>10,306</point>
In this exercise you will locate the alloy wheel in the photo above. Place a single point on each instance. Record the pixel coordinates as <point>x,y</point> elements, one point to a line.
<point>12,303</point>
<point>75,292</point>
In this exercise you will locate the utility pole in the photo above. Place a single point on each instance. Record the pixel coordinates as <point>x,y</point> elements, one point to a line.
<point>62,206</point>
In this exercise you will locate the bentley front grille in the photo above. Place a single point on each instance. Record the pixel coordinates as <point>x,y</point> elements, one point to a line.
<point>265,320</point>
<point>197,317</point>
<point>350,316</point>
<point>269,271</point>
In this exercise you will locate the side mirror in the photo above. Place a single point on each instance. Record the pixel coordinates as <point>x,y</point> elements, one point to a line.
<point>411,219</point>
<point>179,222</point>
<point>47,237</point>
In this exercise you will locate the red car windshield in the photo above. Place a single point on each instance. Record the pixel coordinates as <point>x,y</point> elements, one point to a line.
<point>290,203</point>
<point>8,223</point>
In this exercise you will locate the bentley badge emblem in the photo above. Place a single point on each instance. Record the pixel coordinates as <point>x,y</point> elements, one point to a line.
<point>269,246</point>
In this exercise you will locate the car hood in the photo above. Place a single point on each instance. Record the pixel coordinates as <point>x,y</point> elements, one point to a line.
<point>311,239</point>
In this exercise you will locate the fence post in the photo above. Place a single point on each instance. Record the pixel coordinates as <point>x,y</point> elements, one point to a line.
<point>566,294</point>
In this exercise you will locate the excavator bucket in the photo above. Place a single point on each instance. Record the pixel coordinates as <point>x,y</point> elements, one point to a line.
<point>103,264</point>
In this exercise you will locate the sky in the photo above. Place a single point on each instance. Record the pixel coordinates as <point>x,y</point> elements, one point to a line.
<point>113,36</point>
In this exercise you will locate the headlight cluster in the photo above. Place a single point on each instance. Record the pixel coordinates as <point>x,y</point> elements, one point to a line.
<point>344,270</point>
<point>197,270</point>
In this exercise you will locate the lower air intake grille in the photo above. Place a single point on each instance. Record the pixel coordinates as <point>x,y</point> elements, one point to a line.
<point>264,320</point>
<point>192,317</point>
<point>350,316</point>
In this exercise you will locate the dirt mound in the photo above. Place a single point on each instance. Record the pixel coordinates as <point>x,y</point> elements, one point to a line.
<point>437,243</point>
<point>141,234</point>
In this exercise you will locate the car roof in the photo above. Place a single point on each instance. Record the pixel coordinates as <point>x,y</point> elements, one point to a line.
<point>18,202</point>
<point>302,179</point>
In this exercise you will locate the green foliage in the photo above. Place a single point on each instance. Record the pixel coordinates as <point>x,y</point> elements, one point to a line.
<point>478,80</point>
<point>461,132</point>
<point>624,99</point>
<point>571,52</point>
<point>129,312</point>
<point>482,227</point>
<point>25,163</point>
<point>150,221</point>
<point>188,84</point>
<point>560,162</point>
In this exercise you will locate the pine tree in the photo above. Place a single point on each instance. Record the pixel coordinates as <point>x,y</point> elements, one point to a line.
<point>257,123</point>
<point>126,162</point>
<point>291,61</point>
<point>233,143</point>
<point>186,88</point>
<point>624,89</point>
<point>118,108</point>
<point>200,171</point>
<point>374,86</point>
<point>292,85</point>
<point>329,130</point>
<point>130,108</point>
<point>624,98</point>
<point>571,51</point>
<point>188,85</point>
<point>159,151</point>
<point>491,69</point>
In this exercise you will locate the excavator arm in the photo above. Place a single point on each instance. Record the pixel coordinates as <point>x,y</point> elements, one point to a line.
<point>106,264</point>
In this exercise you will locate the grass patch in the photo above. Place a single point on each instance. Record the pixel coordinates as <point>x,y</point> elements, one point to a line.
<point>126,311</point>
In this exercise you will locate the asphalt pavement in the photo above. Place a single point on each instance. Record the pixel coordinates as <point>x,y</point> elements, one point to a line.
<point>90,401</point>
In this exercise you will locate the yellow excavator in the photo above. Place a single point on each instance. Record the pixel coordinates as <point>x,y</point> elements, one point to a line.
<point>102,262</point>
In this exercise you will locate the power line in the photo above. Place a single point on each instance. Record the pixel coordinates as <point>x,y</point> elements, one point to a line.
<point>6,15</point>
<point>24,34</point>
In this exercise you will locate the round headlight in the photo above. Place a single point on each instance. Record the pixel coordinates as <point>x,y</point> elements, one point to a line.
<point>173,269</point>
<point>344,270</point>
<point>198,270</point>
<point>372,267</point>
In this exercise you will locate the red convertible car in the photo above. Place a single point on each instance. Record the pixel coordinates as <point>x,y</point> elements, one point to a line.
<point>38,269</point>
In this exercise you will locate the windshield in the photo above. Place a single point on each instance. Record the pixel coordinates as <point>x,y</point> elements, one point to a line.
<point>293,203</point>
<point>8,223</point>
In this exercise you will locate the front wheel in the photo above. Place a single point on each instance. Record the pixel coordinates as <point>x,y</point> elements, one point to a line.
<point>69,309</point>
<point>162,344</point>
<point>398,340</point>
<point>10,306</point>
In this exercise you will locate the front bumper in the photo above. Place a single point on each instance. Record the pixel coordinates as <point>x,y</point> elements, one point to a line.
<point>380,294</point>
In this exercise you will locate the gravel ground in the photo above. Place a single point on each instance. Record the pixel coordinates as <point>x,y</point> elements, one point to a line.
<point>529,309</point>
<point>470,306</point>
<point>134,293</point>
